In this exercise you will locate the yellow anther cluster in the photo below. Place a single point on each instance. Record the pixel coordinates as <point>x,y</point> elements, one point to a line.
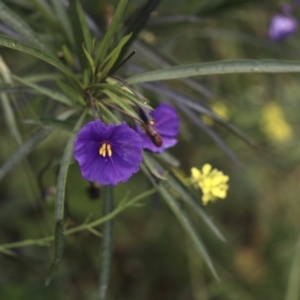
<point>105,149</point>
<point>212,182</point>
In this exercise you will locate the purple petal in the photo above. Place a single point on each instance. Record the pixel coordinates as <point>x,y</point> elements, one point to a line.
<point>126,156</point>
<point>282,26</point>
<point>166,124</point>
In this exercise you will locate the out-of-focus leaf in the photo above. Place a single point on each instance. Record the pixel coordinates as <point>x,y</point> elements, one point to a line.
<point>84,27</point>
<point>151,166</point>
<point>23,151</point>
<point>79,38</point>
<point>63,18</point>
<point>293,288</point>
<point>212,134</point>
<point>137,22</point>
<point>106,41</point>
<point>169,159</point>
<point>218,67</point>
<point>154,56</point>
<point>20,26</point>
<point>107,242</point>
<point>45,91</point>
<point>6,104</point>
<point>109,115</point>
<point>51,123</point>
<point>188,226</point>
<point>28,146</point>
<point>59,240</point>
<point>184,219</point>
<point>188,199</point>
<point>17,45</point>
<point>177,97</point>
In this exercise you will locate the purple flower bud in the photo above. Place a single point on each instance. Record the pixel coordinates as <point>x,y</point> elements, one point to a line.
<point>282,26</point>
<point>108,154</point>
<point>164,124</point>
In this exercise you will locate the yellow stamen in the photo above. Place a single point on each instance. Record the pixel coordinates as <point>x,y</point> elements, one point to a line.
<point>105,148</point>
<point>109,151</point>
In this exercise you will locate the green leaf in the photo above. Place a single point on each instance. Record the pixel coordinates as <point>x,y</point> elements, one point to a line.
<point>16,23</point>
<point>293,288</point>
<point>107,242</point>
<point>110,116</point>
<point>120,102</point>
<point>28,146</point>
<point>90,60</point>
<point>17,45</point>
<point>79,38</point>
<point>84,27</point>
<point>151,166</point>
<point>113,56</point>
<point>123,93</point>
<point>60,200</point>
<point>23,151</point>
<point>105,43</point>
<point>63,18</point>
<point>184,219</point>
<point>58,252</point>
<point>218,67</point>
<point>188,226</point>
<point>195,206</point>
<point>51,123</point>
<point>47,92</point>
<point>6,100</point>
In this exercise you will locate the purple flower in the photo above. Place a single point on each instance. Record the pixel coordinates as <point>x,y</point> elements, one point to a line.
<point>282,26</point>
<point>166,123</point>
<point>108,154</point>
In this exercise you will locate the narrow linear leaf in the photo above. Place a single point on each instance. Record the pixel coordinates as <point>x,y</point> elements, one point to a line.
<point>6,100</point>
<point>218,67</point>
<point>20,26</point>
<point>28,146</point>
<point>23,151</point>
<point>105,43</point>
<point>188,199</point>
<point>184,219</point>
<point>45,91</point>
<point>51,123</point>
<point>213,135</point>
<point>59,239</point>
<point>45,240</point>
<point>84,27</point>
<point>17,45</point>
<point>123,93</point>
<point>151,166</point>
<point>89,59</point>
<point>63,18</point>
<point>113,56</point>
<point>58,252</point>
<point>188,226</point>
<point>107,243</point>
<point>121,103</point>
<point>293,288</point>
<point>79,38</point>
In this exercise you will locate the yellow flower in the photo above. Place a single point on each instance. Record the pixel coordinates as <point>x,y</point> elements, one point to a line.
<point>274,124</point>
<point>221,109</point>
<point>212,182</point>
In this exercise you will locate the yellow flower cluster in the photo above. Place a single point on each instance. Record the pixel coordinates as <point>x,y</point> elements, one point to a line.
<point>212,182</point>
<point>274,124</point>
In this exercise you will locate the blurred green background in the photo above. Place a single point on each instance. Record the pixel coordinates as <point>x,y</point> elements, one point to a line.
<point>153,258</point>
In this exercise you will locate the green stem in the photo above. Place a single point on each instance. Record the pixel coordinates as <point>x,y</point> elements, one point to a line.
<point>45,240</point>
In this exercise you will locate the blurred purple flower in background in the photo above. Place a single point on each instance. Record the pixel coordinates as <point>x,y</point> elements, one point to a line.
<point>108,154</point>
<point>283,25</point>
<point>166,123</point>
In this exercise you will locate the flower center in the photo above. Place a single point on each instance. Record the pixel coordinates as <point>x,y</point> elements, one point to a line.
<point>105,149</point>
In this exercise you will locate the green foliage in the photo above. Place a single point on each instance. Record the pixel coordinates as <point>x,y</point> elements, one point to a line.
<point>61,78</point>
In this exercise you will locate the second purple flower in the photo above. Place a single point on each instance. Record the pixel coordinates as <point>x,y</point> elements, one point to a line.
<point>165,122</point>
